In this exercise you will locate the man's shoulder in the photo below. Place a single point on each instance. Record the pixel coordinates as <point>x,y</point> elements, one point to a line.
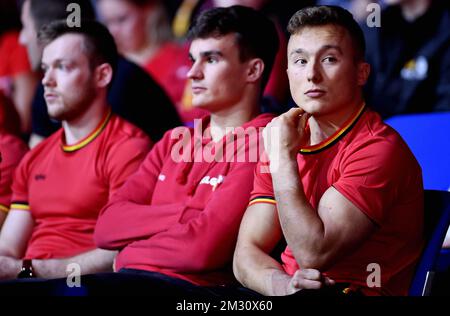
<point>119,131</point>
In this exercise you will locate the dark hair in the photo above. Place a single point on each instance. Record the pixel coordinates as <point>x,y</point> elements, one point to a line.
<point>256,35</point>
<point>46,11</point>
<point>323,15</point>
<point>99,44</point>
<point>9,16</point>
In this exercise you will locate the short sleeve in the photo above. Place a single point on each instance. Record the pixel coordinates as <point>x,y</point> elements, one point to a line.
<point>262,185</point>
<point>19,198</point>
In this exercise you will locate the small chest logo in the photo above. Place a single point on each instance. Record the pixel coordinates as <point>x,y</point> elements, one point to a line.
<point>213,181</point>
<point>39,177</point>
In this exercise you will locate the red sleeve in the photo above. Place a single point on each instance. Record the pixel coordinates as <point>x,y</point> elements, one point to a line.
<point>366,176</point>
<point>12,150</point>
<point>262,186</point>
<point>130,205</point>
<point>215,229</point>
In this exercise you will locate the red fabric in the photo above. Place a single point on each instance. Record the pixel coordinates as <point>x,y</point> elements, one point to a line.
<point>12,150</point>
<point>13,56</point>
<point>373,168</point>
<point>65,191</point>
<point>169,67</point>
<point>13,60</point>
<point>182,218</point>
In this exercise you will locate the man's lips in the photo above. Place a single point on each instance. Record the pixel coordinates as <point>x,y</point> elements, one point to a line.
<point>50,95</point>
<point>315,93</point>
<point>196,89</point>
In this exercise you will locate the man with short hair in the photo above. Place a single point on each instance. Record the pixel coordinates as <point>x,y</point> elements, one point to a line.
<point>61,185</point>
<point>344,189</point>
<point>134,95</point>
<point>175,221</point>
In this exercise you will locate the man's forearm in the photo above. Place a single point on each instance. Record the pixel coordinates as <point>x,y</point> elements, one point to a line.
<point>94,261</point>
<point>9,267</point>
<point>260,272</point>
<point>301,224</point>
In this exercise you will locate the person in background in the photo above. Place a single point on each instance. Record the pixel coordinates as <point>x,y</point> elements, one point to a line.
<point>134,95</point>
<point>410,58</point>
<point>17,80</point>
<point>143,34</point>
<point>61,185</point>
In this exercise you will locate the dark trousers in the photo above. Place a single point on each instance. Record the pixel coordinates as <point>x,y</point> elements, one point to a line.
<point>126,282</point>
<point>143,283</point>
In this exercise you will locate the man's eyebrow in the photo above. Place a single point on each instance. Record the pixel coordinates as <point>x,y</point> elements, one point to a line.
<point>207,54</point>
<point>323,48</point>
<point>210,53</point>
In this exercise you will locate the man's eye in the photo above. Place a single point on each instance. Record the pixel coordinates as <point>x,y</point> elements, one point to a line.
<point>211,60</point>
<point>330,59</point>
<point>300,61</point>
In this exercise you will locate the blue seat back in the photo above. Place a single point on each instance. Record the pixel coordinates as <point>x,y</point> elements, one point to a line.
<point>437,220</point>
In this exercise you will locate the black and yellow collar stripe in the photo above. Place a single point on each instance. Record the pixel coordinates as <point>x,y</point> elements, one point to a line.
<point>4,208</point>
<point>346,127</point>
<point>263,199</point>
<point>101,126</point>
<point>20,206</point>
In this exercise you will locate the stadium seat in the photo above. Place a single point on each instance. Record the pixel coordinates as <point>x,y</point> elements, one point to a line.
<point>437,220</point>
<point>428,136</point>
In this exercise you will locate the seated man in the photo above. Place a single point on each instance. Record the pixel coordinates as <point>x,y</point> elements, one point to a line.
<point>61,185</point>
<point>344,189</point>
<point>133,95</point>
<point>177,218</point>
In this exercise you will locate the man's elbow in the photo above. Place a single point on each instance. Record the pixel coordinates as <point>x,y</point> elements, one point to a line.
<point>102,237</point>
<point>316,260</point>
<point>239,266</point>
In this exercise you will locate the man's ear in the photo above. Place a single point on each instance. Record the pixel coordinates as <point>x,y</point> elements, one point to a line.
<point>363,73</point>
<point>255,69</point>
<point>103,75</point>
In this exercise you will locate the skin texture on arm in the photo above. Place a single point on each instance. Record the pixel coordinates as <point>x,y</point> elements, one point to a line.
<point>319,237</point>
<point>260,231</point>
<point>94,261</point>
<point>13,241</point>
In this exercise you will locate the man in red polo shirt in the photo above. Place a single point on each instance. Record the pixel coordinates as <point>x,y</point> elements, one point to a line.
<point>61,185</point>
<point>343,189</point>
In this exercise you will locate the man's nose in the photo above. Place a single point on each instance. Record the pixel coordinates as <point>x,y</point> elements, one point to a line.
<point>313,71</point>
<point>195,72</point>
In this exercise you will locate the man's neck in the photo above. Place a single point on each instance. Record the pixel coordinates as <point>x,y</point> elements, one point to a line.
<point>77,129</point>
<point>321,128</point>
<point>222,121</point>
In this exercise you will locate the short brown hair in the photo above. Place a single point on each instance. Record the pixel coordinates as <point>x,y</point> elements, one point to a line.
<point>255,33</point>
<point>99,44</point>
<point>323,15</point>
